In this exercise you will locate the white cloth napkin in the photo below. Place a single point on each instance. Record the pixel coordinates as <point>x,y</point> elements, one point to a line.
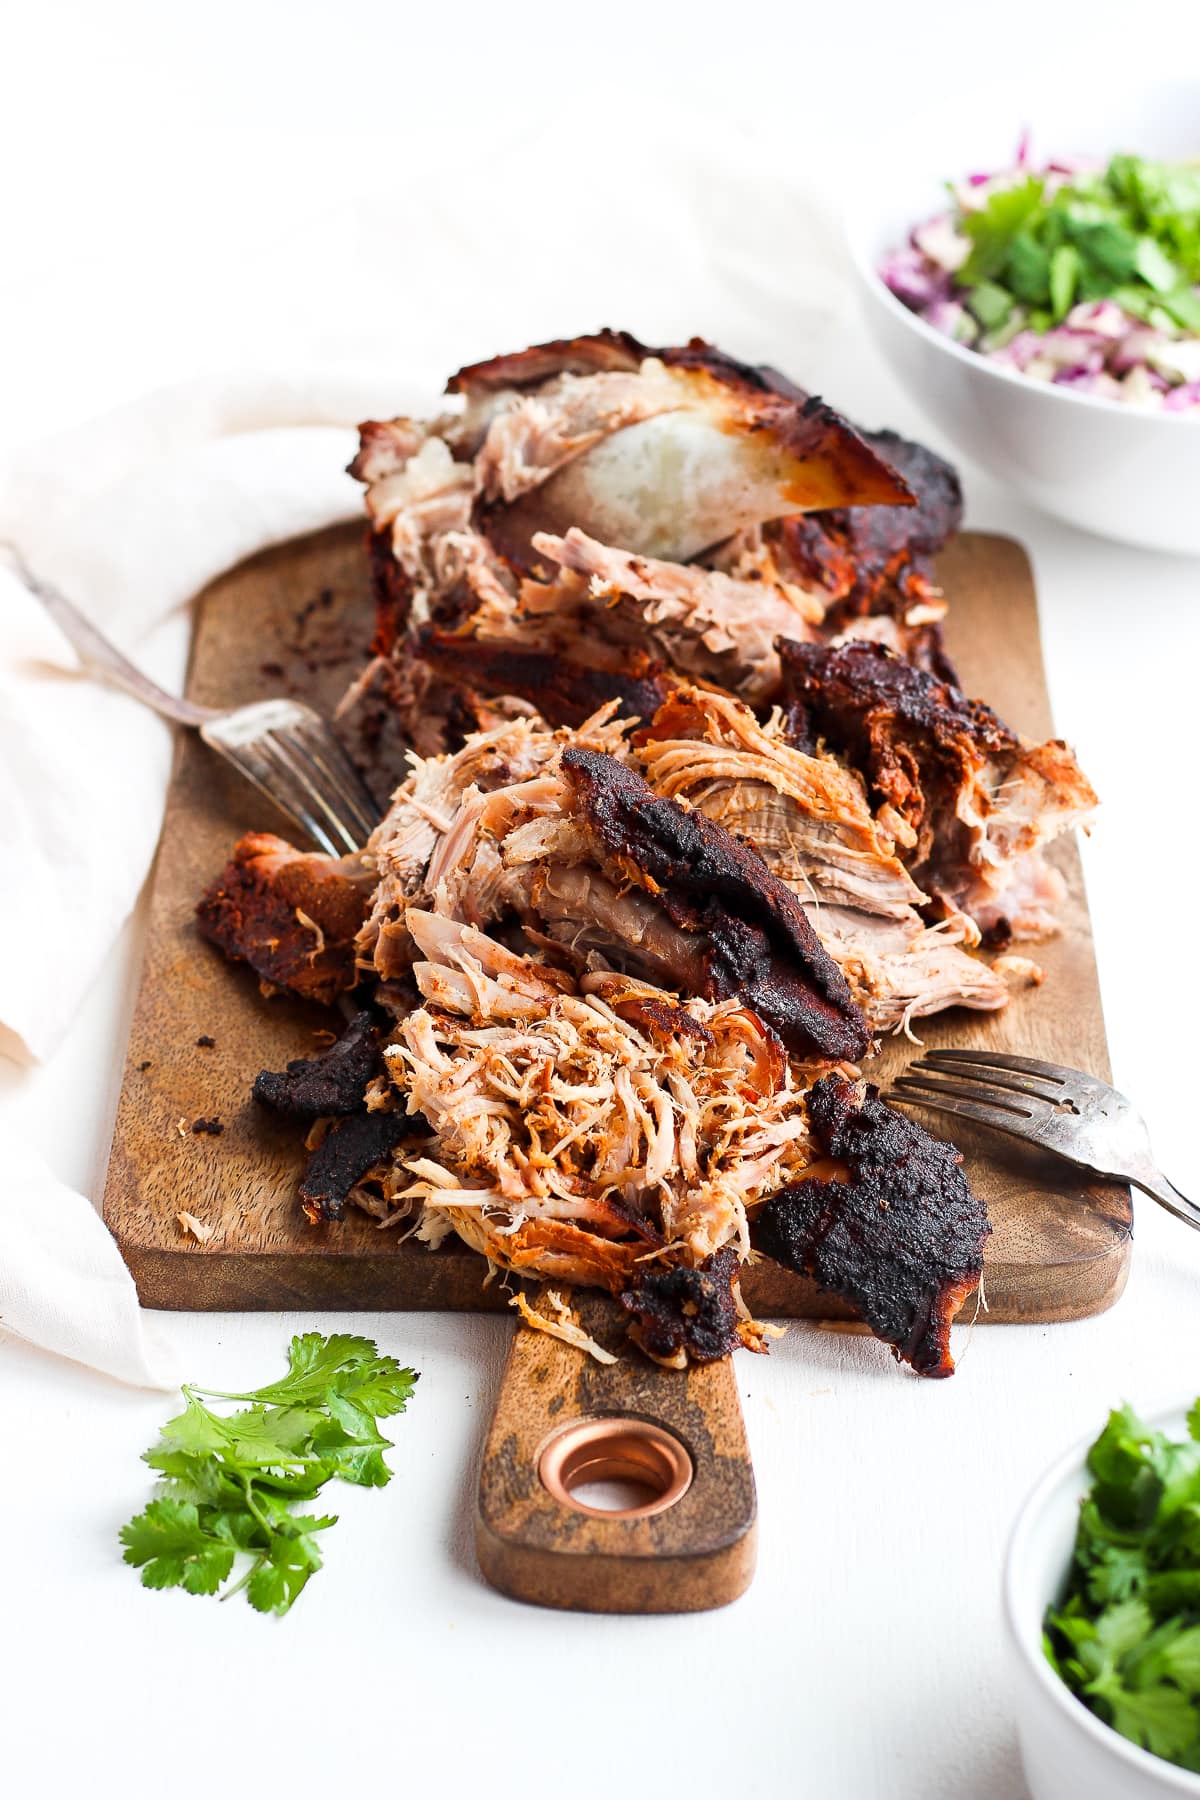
<point>132,515</point>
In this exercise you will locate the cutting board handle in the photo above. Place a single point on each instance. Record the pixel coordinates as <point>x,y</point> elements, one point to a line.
<point>563,1419</point>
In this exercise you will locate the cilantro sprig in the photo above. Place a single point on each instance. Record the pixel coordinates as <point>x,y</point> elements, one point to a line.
<point>1126,1636</point>
<point>1130,233</point>
<point>230,1483</point>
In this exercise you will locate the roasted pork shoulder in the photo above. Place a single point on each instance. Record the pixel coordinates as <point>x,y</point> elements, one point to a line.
<point>970,804</point>
<point>689,808</point>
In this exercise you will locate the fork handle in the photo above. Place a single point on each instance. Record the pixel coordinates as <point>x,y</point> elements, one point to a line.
<point>1153,1182</point>
<point>102,658</point>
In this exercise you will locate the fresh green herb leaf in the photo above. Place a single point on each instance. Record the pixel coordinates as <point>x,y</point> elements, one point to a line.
<point>990,304</point>
<point>1008,211</point>
<point>1027,269</point>
<point>229,1480</point>
<point>1183,306</point>
<point>1126,1638</point>
<point>172,1548</point>
<point>1065,267</point>
<point>1155,267</point>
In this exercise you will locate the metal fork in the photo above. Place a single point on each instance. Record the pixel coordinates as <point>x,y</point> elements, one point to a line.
<point>285,748</point>
<point>1073,1115</point>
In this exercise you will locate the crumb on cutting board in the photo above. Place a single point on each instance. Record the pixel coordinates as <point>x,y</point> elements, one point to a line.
<point>190,1224</point>
<point>204,1042</point>
<point>207,1127</point>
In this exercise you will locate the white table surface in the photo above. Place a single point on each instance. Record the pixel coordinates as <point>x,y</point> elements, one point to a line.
<point>867,1659</point>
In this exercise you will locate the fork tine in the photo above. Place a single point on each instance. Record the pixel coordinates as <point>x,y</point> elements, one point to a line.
<point>988,1077</point>
<point>970,1103</point>
<point>1000,1059</point>
<point>1011,1123</point>
<point>356,802</point>
<point>258,759</point>
<point>323,794</point>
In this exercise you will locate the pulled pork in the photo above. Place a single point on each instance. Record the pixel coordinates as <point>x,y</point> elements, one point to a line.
<point>970,803</point>
<point>690,807</point>
<point>293,917</point>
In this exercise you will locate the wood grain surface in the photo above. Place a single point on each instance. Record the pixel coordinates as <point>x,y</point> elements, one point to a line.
<point>297,619</point>
<point>698,1554</point>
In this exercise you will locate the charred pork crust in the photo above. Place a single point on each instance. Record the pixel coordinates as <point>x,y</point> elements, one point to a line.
<point>692,1310</point>
<point>855,551</point>
<point>593,354</point>
<point>910,735</point>
<point>900,1239</point>
<point>332,1084</point>
<point>565,690</point>
<point>292,917</point>
<point>348,1151</point>
<point>392,590</point>
<point>756,941</point>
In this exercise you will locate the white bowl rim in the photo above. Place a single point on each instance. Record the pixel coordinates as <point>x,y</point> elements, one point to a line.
<point>864,262</point>
<point>1081,1717</point>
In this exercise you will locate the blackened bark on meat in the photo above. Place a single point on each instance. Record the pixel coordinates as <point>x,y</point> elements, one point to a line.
<point>348,1151</point>
<point>913,738</point>
<point>755,939</point>
<point>901,1239</point>
<point>857,552</point>
<point>566,691</point>
<point>330,1085</point>
<point>878,532</point>
<point>692,1310</point>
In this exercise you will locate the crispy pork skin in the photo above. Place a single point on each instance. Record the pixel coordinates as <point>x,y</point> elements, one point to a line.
<point>601,352</point>
<point>292,916</point>
<point>899,1235</point>
<point>970,803</point>
<point>661,451</point>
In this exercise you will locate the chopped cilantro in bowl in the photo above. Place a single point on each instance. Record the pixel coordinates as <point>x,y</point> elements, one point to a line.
<point>1125,1635</point>
<point>1086,277</point>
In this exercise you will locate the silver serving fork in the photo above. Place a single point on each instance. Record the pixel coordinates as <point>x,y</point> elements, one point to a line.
<point>285,748</point>
<point>1073,1115</point>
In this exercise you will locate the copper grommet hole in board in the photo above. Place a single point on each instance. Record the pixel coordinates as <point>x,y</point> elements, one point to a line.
<point>640,1468</point>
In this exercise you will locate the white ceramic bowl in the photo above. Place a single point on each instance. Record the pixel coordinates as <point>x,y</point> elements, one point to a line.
<point>1097,463</point>
<point>1067,1750</point>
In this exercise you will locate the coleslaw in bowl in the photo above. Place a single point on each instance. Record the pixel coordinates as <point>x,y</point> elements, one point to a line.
<point>1124,471</point>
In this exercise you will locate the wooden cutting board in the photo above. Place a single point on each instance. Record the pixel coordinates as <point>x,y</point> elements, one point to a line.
<point>297,619</point>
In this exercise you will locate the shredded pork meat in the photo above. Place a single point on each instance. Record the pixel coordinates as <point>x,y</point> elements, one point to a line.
<point>582,1126</point>
<point>971,804</point>
<point>691,807</point>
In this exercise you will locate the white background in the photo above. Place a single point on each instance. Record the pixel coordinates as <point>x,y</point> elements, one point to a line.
<point>193,189</point>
